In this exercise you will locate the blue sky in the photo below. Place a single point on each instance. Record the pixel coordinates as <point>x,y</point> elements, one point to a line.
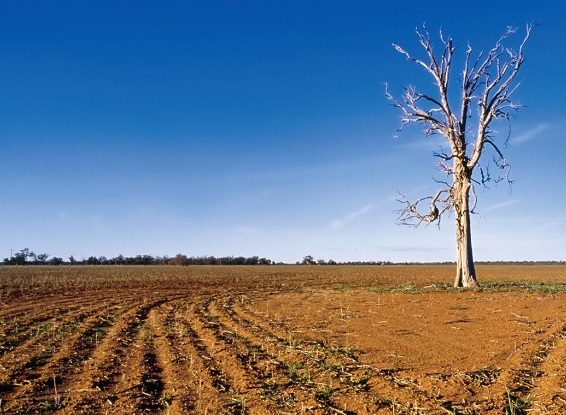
<point>257,128</point>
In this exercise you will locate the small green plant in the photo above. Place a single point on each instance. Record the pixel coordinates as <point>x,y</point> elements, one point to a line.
<point>403,289</point>
<point>292,341</point>
<point>47,406</point>
<point>41,328</point>
<point>165,401</point>
<point>171,326</point>
<point>523,286</point>
<point>382,401</point>
<point>271,392</point>
<point>144,334</point>
<point>236,406</point>
<point>324,394</point>
<point>298,373</point>
<point>516,405</point>
<point>98,335</point>
<point>331,363</point>
<point>360,383</point>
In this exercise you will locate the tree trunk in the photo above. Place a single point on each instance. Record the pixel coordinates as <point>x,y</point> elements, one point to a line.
<point>465,269</point>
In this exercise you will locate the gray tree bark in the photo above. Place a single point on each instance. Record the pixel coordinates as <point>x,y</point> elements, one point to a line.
<point>465,268</point>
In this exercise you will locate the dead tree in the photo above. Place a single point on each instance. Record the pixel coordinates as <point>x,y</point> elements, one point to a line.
<point>464,117</point>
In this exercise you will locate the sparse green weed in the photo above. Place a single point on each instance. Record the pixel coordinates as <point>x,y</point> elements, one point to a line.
<point>516,405</point>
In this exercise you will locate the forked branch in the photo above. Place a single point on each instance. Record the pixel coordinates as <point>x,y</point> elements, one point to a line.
<point>437,205</point>
<point>486,87</point>
<point>487,84</point>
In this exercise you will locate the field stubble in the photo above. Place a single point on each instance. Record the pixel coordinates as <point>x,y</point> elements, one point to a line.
<point>281,340</point>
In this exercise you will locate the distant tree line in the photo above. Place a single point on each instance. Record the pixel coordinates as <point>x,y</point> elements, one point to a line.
<point>28,257</point>
<point>309,260</point>
<point>181,259</point>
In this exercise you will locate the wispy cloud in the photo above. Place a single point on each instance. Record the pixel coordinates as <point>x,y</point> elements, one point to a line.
<point>500,205</point>
<point>247,229</point>
<point>419,143</point>
<point>240,230</point>
<point>339,223</point>
<point>531,133</point>
<point>62,216</point>
<point>555,224</point>
<point>413,248</point>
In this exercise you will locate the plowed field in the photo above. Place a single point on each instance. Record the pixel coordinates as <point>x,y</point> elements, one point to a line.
<point>281,340</point>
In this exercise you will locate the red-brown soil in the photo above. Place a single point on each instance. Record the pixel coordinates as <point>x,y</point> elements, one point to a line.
<point>281,340</point>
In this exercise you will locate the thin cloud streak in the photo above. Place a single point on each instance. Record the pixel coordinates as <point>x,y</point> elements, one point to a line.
<point>500,205</point>
<point>419,143</point>
<point>531,134</point>
<point>339,223</point>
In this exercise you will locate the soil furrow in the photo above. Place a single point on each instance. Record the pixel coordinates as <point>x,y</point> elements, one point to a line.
<point>339,378</point>
<point>227,340</point>
<point>213,387</point>
<point>295,370</point>
<point>107,383</point>
<point>27,361</point>
<point>214,350</point>
<point>47,387</point>
<point>23,329</point>
<point>177,395</point>
<point>547,394</point>
<point>525,368</point>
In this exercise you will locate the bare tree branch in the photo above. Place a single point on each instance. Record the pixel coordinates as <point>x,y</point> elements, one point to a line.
<point>495,101</point>
<point>409,215</point>
<point>487,84</point>
<point>487,81</point>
